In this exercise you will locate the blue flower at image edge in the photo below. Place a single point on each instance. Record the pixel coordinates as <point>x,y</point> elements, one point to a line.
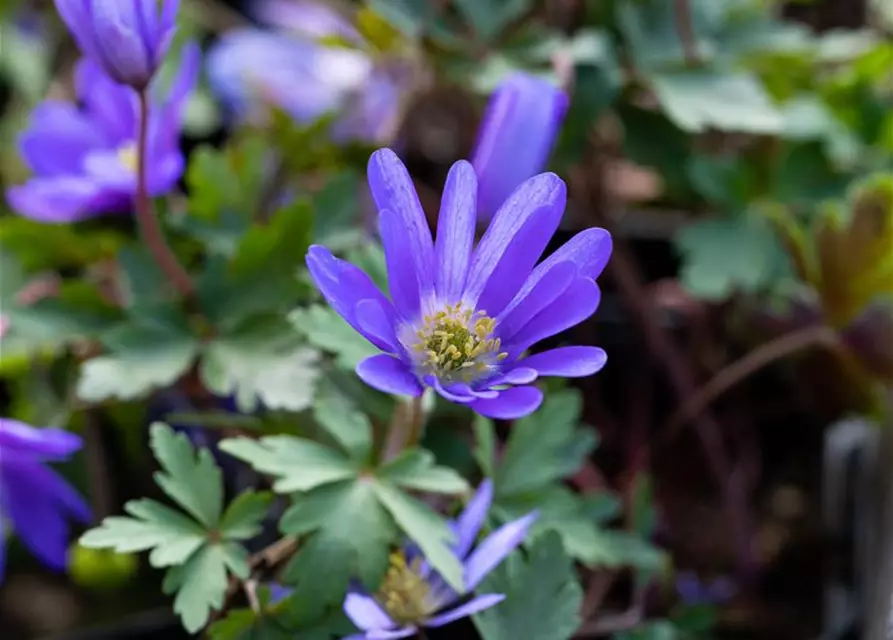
<point>84,159</point>
<point>460,317</point>
<point>34,499</point>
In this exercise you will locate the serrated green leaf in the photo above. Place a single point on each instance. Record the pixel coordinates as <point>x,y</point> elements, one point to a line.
<point>328,331</point>
<point>545,446</point>
<point>141,283</point>
<point>415,469</point>
<point>261,363</point>
<point>200,585</point>
<point>426,528</point>
<point>277,247</point>
<point>724,255</point>
<point>351,534</point>
<point>242,518</point>
<point>543,596</point>
<point>171,536</point>
<point>343,421</point>
<point>193,481</point>
<point>296,463</point>
<point>244,624</point>
<point>701,100</point>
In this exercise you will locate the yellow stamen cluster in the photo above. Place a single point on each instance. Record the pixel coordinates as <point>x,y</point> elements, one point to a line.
<point>457,343</point>
<point>404,593</point>
<point>127,156</point>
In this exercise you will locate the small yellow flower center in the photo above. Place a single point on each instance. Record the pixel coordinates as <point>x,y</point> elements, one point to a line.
<point>457,343</point>
<point>127,156</point>
<point>404,593</point>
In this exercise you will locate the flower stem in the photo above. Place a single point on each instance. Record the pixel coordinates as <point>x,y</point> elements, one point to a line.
<point>146,216</point>
<point>406,428</point>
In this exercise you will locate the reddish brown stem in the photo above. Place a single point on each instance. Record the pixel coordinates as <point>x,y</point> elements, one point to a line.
<point>685,29</point>
<point>147,218</point>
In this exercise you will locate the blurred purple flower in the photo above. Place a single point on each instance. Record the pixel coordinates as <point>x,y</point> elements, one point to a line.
<point>84,157</point>
<point>461,318</point>
<point>516,137</point>
<point>33,498</point>
<point>413,595</point>
<point>251,69</point>
<point>128,38</point>
<point>693,592</point>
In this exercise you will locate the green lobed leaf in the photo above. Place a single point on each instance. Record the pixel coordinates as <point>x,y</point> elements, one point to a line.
<point>145,356</point>
<point>242,518</point>
<point>339,416</point>
<point>328,331</point>
<point>426,528</point>
<point>296,463</point>
<point>275,247</point>
<point>543,596</point>
<point>724,255</point>
<point>200,585</point>
<point>171,536</point>
<point>415,469</point>
<point>545,446</point>
<point>192,480</point>
<point>350,536</point>
<point>490,17</point>
<point>485,447</point>
<point>262,362</point>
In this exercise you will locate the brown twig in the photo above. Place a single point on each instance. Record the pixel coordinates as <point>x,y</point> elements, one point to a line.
<point>147,218</point>
<point>746,366</point>
<point>101,491</point>
<point>630,285</point>
<point>685,28</point>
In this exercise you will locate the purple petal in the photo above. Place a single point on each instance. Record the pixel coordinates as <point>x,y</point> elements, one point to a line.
<point>470,521</point>
<point>393,190</point>
<point>517,376</point>
<point>374,321</point>
<point>58,138</point>
<point>186,77</point>
<point>403,282</point>
<point>470,608</point>
<point>380,634</point>
<point>390,375</point>
<point>312,19</point>
<point>38,504</point>
<point>502,262</point>
<point>344,286</point>
<point>366,613</point>
<point>567,362</point>
<point>512,403</point>
<point>106,169</point>
<point>455,231</point>
<point>47,443</point>
<point>577,303</point>
<point>77,17</point>
<point>278,593</point>
<point>531,300</point>
<point>113,106</point>
<point>589,250</point>
<point>516,136</point>
<point>459,393</point>
<point>495,548</point>
<point>118,40</point>
<point>60,200</point>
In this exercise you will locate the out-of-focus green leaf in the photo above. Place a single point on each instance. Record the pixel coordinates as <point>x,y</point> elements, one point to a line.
<point>490,17</point>
<point>228,179</point>
<point>261,363</point>
<point>338,415</point>
<point>724,255</point>
<point>543,596</point>
<point>42,246</point>
<point>144,356</point>
<point>329,332</point>
<point>200,585</point>
<point>407,16</point>
<point>702,100</point>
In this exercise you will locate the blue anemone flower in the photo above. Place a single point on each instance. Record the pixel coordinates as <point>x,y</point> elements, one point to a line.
<point>129,38</point>
<point>461,318</point>
<point>413,595</point>
<point>33,498</point>
<point>516,137</point>
<point>84,157</point>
